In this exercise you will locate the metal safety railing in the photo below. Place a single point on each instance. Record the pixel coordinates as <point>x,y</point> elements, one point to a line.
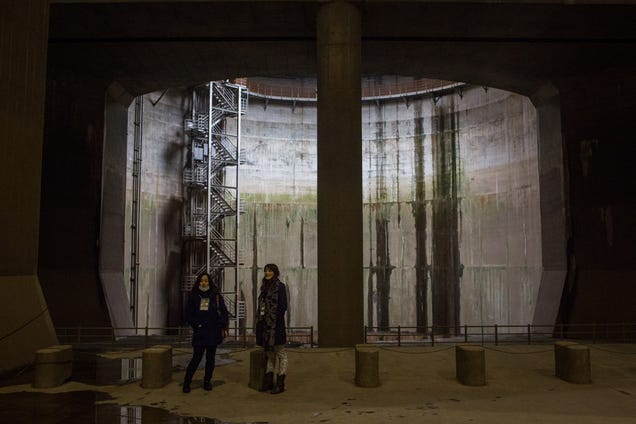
<point>138,337</point>
<point>369,90</point>
<point>500,334</point>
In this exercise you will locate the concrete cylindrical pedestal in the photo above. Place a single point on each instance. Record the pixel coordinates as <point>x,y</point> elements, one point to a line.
<point>470,365</point>
<point>258,364</point>
<point>156,366</point>
<point>572,362</point>
<point>53,366</point>
<point>559,356</point>
<point>367,366</point>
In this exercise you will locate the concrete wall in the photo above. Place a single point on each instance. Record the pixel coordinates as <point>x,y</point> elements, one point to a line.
<point>163,158</point>
<point>452,229</point>
<point>25,321</point>
<point>497,225</point>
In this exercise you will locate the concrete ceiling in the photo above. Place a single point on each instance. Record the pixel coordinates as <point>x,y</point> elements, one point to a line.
<point>516,46</point>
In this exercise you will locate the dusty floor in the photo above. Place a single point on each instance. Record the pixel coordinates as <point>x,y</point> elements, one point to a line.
<point>418,385</point>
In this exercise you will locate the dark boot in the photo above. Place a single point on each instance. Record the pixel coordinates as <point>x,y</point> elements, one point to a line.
<point>186,381</point>
<point>207,377</point>
<point>268,382</point>
<point>280,385</point>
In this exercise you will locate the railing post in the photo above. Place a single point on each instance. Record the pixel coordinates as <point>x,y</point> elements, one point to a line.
<point>365,334</point>
<point>465,333</point>
<point>496,336</point>
<point>399,336</point>
<point>146,336</point>
<point>593,333</point>
<point>432,336</point>
<point>311,338</point>
<point>624,333</point>
<point>482,334</point>
<point>529,337</point>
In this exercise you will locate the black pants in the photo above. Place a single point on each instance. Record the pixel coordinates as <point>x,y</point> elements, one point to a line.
<point>197,355</point>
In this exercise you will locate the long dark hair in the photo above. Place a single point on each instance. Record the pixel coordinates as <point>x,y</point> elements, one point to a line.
<point>273,268</point>
<point>195,287</point>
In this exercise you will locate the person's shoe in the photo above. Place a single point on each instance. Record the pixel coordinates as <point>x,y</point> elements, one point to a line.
<point>280,385</point>
<point>207,385</point>
<point>268,382</point>
<point>186,388</point>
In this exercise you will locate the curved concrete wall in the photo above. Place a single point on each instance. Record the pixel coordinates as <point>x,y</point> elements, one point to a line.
<point>452,231</point>
<point>452,220</point>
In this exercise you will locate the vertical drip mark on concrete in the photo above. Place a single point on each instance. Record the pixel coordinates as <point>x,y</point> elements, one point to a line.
<point>397,167</point>
<point>254,269</point>
<point>302,242</point>
<point>370,288</point>
<point>383,268</point>
<point>419,214</point>
<point>445,269</point>
<point>383,272</point>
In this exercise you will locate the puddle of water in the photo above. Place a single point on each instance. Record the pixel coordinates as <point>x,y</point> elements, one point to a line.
<point>80,408</point>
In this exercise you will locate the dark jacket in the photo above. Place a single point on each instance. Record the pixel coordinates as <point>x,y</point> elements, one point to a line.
<point>207,325</point>
<point>280,332</point>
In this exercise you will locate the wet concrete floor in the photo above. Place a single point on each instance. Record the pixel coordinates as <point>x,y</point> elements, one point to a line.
<point>88,407</point>
<point>83,407</point>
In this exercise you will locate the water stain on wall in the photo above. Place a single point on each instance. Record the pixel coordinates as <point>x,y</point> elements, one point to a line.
<point>419,215</point>
<point>254,268</point>
<point>302,242</point>
<point>380,272</point>
<point>445,266</point>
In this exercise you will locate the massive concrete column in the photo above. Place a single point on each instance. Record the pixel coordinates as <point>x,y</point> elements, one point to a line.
<point>553,219</point>
<point>25,324</point>
<point>340,277</point>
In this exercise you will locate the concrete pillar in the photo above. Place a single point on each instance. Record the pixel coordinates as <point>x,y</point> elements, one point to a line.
<point>25,324</point>
<point>470,365</point>
<point>572,362</point>
<point>367,366</point>
<point>340,277</point>
<point>560,357</point>
<point>258,366</point>
<point>156,366</point>
<point>113,210</point>
<point>552,200</point>
<point>53,366</point>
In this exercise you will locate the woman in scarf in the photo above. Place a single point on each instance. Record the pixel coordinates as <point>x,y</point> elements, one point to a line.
<point>270,328</point>
<point>207,314</point>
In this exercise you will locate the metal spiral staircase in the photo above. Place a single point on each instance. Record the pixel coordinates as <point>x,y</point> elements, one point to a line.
<point>211,179</point>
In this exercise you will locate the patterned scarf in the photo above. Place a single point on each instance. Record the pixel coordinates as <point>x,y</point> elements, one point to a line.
<point>268,305</point>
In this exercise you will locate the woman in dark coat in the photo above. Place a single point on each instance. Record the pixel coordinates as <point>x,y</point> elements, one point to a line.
<point>271,332</point>
<point>207,315</point>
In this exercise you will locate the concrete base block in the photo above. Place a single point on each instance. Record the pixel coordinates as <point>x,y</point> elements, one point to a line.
<point>53,366</point>
<point>559,356</point>
<point>367,366</point>
<point>156,367</point>
<point>572,362</point>
<point>470,365</point>
<point>258,365</point>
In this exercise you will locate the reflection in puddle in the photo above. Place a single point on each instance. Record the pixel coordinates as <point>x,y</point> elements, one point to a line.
<point>80,408</point>
<point>91,368</point>
<point>96,370</point>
